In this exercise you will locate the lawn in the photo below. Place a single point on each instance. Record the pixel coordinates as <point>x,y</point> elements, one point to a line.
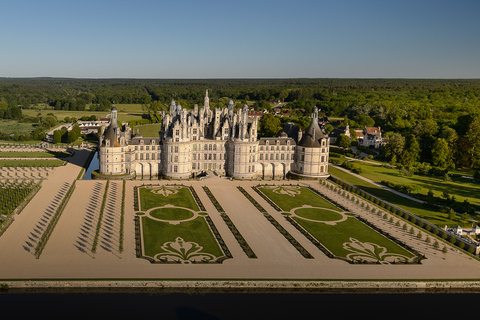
<point>149,130</point>
<point>334,237</point>
<point>157,233</point>
<point>461,188</point>
<point>15,127</point>
<point>33,154</point>
<point>171,214</point>
<point>297,197</point>
<point>31,163</point>
<point>166,194</point>
<point>340,232</point>
<point>412,206</point>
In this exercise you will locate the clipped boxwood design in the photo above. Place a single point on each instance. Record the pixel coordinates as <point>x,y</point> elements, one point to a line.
<point>240,239</point>
<point>275,223</point>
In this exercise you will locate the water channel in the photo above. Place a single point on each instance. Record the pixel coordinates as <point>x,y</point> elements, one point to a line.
<point>94,165</point>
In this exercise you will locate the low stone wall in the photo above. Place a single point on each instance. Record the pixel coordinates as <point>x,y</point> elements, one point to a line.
<point>240,286</point>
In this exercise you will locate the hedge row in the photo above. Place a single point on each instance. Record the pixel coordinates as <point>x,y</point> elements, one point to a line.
<point>240,239</point>
<point>270,202</point>
<point>122,218</point>
<point>53,222</point>
<point>100,217</point>
<point>275,223</point>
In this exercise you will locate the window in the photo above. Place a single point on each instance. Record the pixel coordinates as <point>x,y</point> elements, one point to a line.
<point>323,158</point>
<point>147,147</point>
<point>177,132</point>
<point>141,156</point>
<point>136,147</point>
<point>205,156</point>
<point>147,156</point>
<point>177,139</point>
<point>282,157</point>
<point>194,166</point>
<point>261,156</point>
<point>194,131</point>
<point>194,156</point>
<point>271,156</point>
<point>205,147</point>
<point>153,148</point>
<point>214,157</point>
<point>153,156</point>
<point>214,147</point>
<point>175,168</point>
<point>276,156</point>
<point>175,159</point>
<point>141,147</point>
<point>210,147</point>
<point>176,149</point>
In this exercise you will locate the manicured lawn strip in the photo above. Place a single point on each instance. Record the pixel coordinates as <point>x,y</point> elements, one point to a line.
<point>156,233</point>
<point>183,198</point>
<point>333,237</point>
<point>306,196</point>
<point>31,163</point>
<point>34,154</point>
<point>171,214</point>
<point>318,214</point>
<point>408,205</point>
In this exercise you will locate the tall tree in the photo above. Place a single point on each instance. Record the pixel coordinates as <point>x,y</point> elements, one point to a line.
<point>440,152</point>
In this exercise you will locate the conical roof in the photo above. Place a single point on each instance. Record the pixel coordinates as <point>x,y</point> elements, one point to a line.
<point>312,135</point>
<point>110,135</point>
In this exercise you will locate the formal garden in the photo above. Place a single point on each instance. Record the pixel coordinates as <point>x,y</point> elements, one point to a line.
<point>333,229</point>
<point>172,226</point>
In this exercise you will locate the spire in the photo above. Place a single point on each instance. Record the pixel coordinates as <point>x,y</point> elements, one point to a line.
<point>206,101</point>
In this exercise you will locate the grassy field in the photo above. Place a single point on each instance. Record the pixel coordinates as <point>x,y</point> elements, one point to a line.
<point>149,130</point>
<point>433,216</point>
<point>125,112</point>
<point>461,188</point>
<point>15,127</point>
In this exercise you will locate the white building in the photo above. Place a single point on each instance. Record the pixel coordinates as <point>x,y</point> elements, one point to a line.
<point>220,140</point>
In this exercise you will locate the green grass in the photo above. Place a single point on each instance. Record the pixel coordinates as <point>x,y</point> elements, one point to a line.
<point>156,233</point>
<point>318,214</point>
<point>149,130</point>
<point>31,163</point>
<point>306,196</point>
<point>13,126</point>
<point>333,237</point>
<point>183,198</point>
<point>461,188</point>
<point>33,154</point>
<point>433,216</point>
<point>171,214</point>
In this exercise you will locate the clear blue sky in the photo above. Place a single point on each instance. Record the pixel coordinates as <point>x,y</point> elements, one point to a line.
<point>240,39</point>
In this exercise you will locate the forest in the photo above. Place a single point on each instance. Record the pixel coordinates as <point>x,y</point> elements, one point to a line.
<point>423,120</point>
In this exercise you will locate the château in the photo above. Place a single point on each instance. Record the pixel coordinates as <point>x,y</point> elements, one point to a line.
<point>223,141</point>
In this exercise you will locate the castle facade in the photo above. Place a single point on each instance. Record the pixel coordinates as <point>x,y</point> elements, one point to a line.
<point>223,141</point>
